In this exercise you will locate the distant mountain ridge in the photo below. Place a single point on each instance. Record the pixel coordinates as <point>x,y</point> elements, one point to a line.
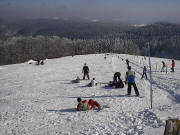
<point>85,29</point>
<point>70,28</point>
<point>86,36</point>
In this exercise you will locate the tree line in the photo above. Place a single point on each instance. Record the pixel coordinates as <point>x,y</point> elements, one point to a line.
<point>164,40</point>
<point>20,49</point>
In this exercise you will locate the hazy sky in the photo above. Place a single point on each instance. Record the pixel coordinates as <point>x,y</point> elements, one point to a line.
<point>141,11</point>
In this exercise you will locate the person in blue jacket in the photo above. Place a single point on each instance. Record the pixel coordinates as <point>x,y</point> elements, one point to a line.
<point>130,79</point>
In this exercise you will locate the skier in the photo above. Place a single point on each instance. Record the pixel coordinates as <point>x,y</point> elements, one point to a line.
<point>92,83</point>
<point>85,71</point>
<point>144,73</point>
<point>163,67</point>
<point>130,79</point>
<point>173,65</point>
<point>87,105</point>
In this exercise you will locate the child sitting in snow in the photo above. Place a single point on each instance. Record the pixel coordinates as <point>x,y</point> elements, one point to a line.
<point>92,83</point>
<point>77,80</point>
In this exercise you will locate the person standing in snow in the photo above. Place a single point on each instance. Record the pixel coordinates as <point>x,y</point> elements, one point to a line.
<point>144,73</point>
<point>130,79</point>
<point>127,62</point>
<point>87,105</point>
<point>163,67</point>
<point>173,65</point>
<point>85,71</point>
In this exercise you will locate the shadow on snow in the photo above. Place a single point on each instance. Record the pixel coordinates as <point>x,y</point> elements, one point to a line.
<point>64,110</point>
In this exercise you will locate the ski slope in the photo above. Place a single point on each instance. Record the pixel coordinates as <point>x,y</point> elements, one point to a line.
<point>41,99</point>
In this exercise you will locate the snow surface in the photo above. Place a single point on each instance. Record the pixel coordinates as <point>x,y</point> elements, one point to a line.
<point>41,99</point>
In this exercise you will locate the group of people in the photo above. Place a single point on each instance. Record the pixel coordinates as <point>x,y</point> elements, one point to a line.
<point>116,83</point>
<point>39,62</point>
<point>164,66</point>
<point>84,105</point>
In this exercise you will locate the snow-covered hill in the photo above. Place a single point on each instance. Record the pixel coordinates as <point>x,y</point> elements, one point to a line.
<point>41,100</point>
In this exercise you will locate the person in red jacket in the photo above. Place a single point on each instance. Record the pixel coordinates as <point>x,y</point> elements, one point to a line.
<point>173,65</point>
<point>87,105</point>
<point>163,67</point>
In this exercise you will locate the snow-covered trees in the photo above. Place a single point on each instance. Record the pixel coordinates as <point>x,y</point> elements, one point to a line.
<point>20,49</point>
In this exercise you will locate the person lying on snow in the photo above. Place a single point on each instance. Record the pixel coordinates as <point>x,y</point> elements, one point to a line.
<point>77,80</point>
<point>87,105</point>
<point>92,83</point>
<point>117,82</point>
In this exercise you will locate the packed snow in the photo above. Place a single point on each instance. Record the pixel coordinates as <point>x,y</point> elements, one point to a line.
<point>42,100</point>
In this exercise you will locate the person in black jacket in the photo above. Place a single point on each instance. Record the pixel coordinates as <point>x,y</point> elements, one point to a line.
<point>85,71</point>
<point>116,77</point>
<point>144,73</point>
<point>117,82</point>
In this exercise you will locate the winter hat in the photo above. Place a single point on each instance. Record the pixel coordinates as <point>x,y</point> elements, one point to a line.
<point>79,99</point>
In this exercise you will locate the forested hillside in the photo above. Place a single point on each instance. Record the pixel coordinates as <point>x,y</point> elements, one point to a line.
<point>40,39</point>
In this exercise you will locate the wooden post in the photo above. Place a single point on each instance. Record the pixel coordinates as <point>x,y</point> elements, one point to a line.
<point>172,127</point>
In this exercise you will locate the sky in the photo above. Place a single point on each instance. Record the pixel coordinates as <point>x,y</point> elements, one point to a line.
<point>141,11</point>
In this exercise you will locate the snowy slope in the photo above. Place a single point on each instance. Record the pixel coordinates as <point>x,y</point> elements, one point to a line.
<point>41,99</point>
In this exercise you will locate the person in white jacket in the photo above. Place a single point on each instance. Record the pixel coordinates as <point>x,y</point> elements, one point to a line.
<point>130,79</point>
<point>92,83</point>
